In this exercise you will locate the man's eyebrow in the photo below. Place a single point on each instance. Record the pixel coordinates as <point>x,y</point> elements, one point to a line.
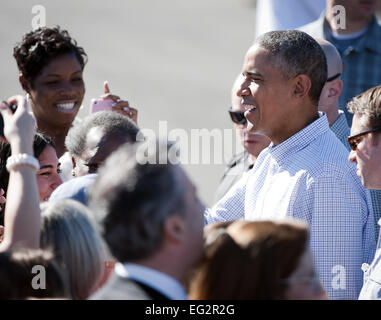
<point>253,73</point>
<point>58,75</point>
<point>47,166</point>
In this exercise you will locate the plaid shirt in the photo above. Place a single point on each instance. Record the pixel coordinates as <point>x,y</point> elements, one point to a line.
<point>341,129</point>
<point>309,177</point>
<point>362,62</point>
<point>372,277</point>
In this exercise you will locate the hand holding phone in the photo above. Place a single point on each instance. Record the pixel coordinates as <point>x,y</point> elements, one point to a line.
<point>13,108</point>
<point>113,102</point>
<point>19,125</point>
<point>101,105</point>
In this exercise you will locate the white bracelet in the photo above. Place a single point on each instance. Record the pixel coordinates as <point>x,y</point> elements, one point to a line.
<point>22,159</point>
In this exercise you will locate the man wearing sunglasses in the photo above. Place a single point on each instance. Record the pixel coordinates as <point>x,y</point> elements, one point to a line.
<point>253,144</point>
<point>365,142</point>
<point>329,103</point>
<point>304,173</point>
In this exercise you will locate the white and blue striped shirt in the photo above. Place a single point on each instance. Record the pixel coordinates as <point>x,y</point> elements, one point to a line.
<point>309,177</point>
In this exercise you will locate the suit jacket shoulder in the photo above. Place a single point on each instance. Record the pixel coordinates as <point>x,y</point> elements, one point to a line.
<point>119,288</point>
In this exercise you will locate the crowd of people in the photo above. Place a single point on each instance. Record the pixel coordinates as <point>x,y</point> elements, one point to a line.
<point>296,214</point>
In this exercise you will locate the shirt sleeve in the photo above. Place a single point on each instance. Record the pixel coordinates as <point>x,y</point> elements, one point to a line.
<point>341,233</point>
<point>232,206</point>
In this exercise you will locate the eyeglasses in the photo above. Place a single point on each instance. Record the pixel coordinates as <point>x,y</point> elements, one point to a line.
<point>237,116</point>
<point>334,77</point>
<point>356,139</point>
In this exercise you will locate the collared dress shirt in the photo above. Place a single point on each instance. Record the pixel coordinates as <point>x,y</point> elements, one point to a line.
<point>309,177</point>
<point>361,62</point>
<point>157,280</point>
<point>372,276</point>
<point>341,129</point>
<point>239,164</point>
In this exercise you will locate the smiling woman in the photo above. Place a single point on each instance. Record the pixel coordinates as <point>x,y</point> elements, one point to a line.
<point>48,178</point>
<point>51,66</point>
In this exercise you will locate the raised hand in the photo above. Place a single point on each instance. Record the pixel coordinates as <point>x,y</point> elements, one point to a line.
<point>19,128</point>
<point>120,106</point>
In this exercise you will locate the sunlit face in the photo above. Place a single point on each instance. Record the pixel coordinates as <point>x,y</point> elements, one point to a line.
<point>265,94</point>
<point>253,143</point>
<point>368,153</point>
<point>97,149</point>
<point>48,178</point>
<point>57,92</point>
<point>303,283</point>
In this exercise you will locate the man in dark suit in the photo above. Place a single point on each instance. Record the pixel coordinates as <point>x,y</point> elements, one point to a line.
<point>152,221</point>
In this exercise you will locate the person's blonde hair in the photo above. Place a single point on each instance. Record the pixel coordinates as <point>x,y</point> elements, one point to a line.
<point>68,230</point>
<point>368,103</point>
<point>248,260</point>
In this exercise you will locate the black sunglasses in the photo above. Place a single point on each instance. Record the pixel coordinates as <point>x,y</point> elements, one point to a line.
<point>334,77</point>
<point>237,116</point>
<point>356,139</point>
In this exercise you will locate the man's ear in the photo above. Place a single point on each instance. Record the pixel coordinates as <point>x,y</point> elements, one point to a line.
<point>73,162</point>
<point>336,88</point>
<point>24,84</point>
<point>302,86</point>
<point>174,228</point>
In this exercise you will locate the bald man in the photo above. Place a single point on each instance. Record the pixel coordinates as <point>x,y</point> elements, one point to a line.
<point>329,103</point>
<point>329,98</point>
<point>356,33</point>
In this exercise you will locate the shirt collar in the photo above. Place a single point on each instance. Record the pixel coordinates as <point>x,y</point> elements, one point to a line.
<point>340,124</point>
<point>371,40</point>
<point>299,140</point>
<point>157,280</point>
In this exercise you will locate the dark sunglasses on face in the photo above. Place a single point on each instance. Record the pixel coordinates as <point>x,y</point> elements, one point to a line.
<point>356,139</point>
<point>237,116</point>
<point>334,77</point>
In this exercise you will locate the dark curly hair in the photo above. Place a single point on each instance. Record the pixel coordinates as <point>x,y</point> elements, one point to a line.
<point>41,46</point>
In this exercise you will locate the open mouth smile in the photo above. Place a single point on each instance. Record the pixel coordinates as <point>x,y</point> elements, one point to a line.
<point>249,107</point>
<point>66,106</point>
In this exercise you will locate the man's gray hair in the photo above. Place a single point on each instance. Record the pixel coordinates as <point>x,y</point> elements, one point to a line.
<point>131,200</point>
<point>109,121</point>
<point>295,52</point>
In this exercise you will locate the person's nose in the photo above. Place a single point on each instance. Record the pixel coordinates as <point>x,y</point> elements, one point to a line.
<point>243,89</point>
<point>352,156</point>
<point>56,181</point>
<point>66,88</point>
